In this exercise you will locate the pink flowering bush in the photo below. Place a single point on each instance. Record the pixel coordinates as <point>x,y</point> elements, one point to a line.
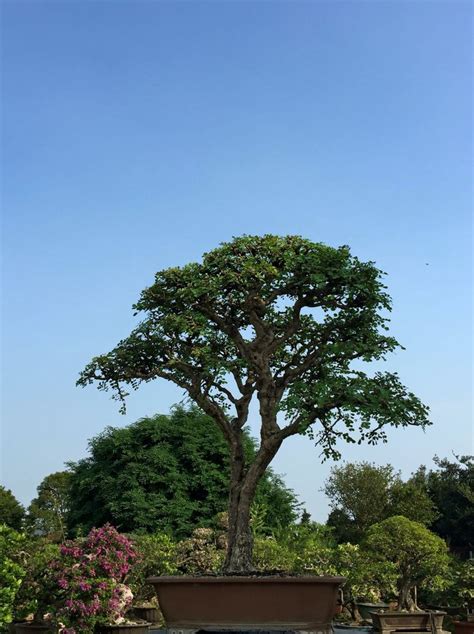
<point>87,581</point>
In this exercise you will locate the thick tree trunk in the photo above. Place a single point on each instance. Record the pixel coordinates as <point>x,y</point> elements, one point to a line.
<point>239,538</point>
<point>242,492</point>
<point>240,544</point>
<point>405,599</point>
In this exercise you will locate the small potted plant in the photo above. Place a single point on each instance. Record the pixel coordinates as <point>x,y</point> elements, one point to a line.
<point>420,558</point>
<point>88,585</point>
<point>368,580</point>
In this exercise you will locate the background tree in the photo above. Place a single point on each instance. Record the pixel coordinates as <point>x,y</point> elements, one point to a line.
<point>412,500</point>
<point>12,512</point>
<point>451,487</point>
<point>420,557</point>
<point>278,319</point>
<point>165,473</point>
<point>47,513</point>
<point>361,494</point>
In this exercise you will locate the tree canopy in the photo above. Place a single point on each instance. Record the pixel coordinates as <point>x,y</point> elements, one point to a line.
<point>419,556</point>
<point>451,487</point>
<point>168,473</point>
<point>12,512</point>
<point>280,319</point>
<point>362,494</point>
<point>47,513</point>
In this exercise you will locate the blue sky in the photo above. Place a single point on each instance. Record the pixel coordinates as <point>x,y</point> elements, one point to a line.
<point>138,135</point>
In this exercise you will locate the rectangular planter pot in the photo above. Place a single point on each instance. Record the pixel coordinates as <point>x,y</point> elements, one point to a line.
<point>407,621</point>
<point>463,627</point>
<point>248,603</point>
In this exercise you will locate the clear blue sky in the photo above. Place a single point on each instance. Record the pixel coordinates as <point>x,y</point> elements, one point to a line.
<point>138,135</point>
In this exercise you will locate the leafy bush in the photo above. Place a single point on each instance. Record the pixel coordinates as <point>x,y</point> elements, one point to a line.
<point>270,555</point>
<point>465,584</point>
<point>203,552</point>
<point>297,548</point>
<point>33,597</point>
<point>11,571</point>
<point>156,555</point>
<point>367,579</point>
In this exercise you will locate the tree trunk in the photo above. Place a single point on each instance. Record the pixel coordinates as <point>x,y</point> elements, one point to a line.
<point>240,544</point>
<point>243,486</point>
<point>405,599</point>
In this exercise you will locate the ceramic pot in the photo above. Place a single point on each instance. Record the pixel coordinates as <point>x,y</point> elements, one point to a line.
<point>391,621</point>
<point>248,603</point>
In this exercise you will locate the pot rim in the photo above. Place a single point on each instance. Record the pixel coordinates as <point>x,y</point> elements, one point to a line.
<point>124,625</point>
<point>246,579</point>
<point>403,613</point>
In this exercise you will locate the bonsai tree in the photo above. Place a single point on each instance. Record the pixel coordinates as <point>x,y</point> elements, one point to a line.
<point>369,579</point>
<point>279,319</point>
<point>419,556</point>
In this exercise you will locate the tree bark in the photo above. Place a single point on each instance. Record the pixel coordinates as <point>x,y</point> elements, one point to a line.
<point>405,599</point>
<point>240,539</point>
<point>243,486</point>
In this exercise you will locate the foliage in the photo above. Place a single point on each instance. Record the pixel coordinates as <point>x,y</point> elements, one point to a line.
<point>11,511</point>
<point>298,548</point>
<point>412,500</point>
<point>203,552</point>
<point>270,556</point>
<point>451,487</point>
<point>11,571</point>
<point>47,513</point>
<point>200,318</point>
<point>165,473</point>
<point>156,555</point>
<point>87,581</point>
<point>362,494</point>
<point>359,497</point>
<point>464,584</point>
<point>420,557</point>
<point>276,318</point>
<point>33,596</point>
<point>459,588</point>
<point>368,579</point>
